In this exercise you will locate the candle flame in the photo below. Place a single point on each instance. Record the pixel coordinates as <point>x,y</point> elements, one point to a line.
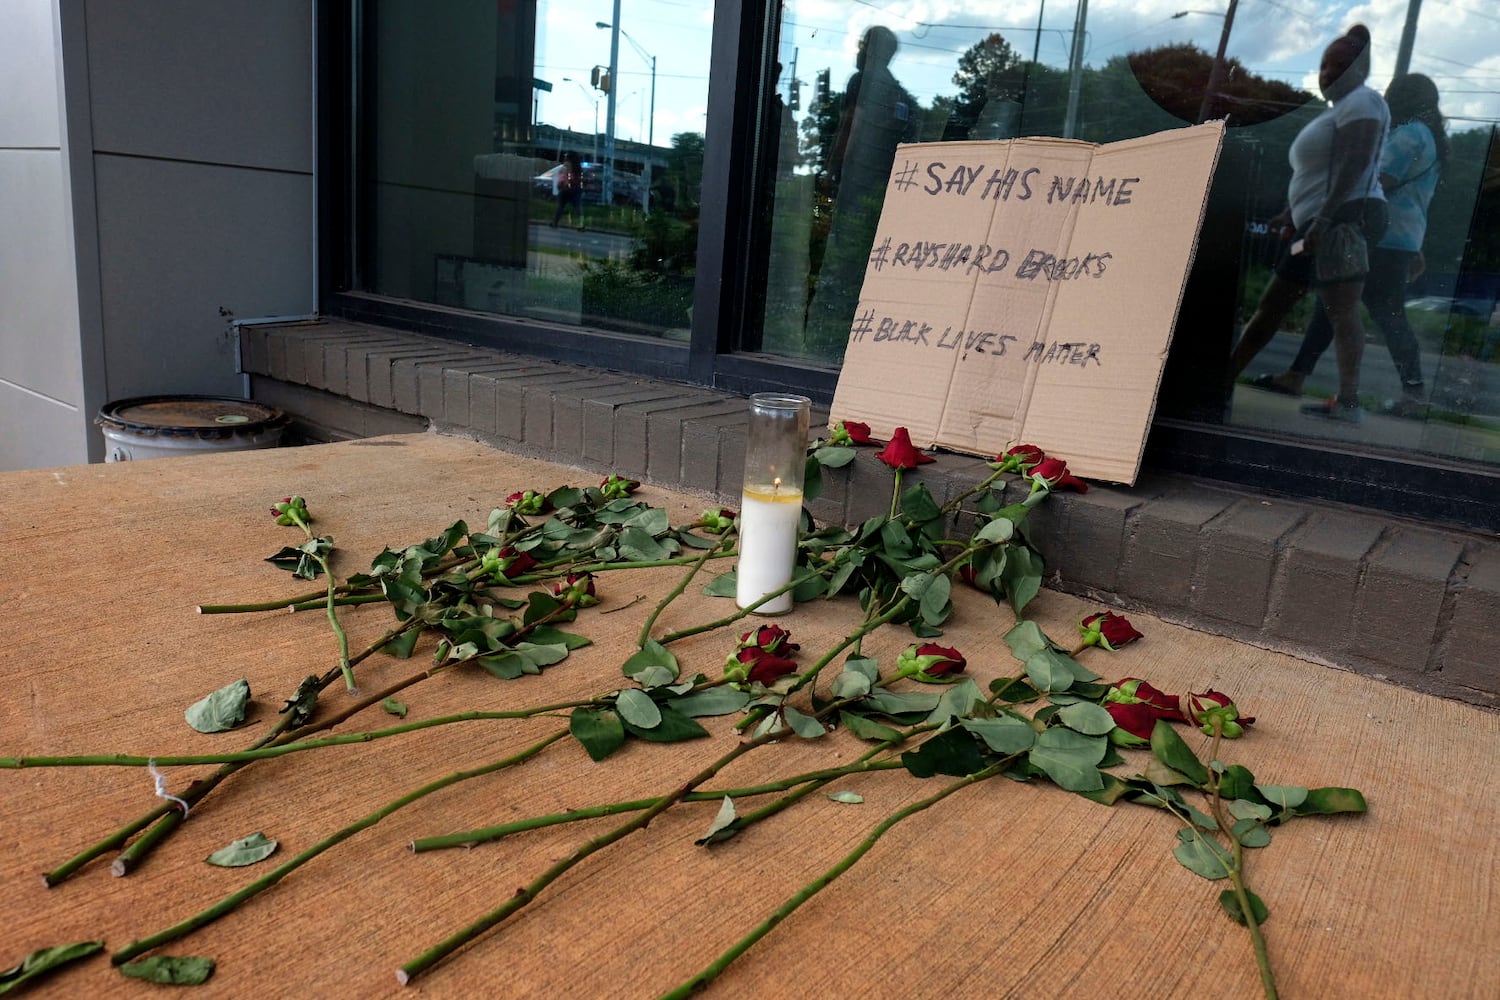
<point>776,485</point>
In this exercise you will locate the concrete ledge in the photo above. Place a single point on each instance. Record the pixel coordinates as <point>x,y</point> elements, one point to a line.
<point>1364,591</point>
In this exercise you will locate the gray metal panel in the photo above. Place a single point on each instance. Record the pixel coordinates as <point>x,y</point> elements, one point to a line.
<point>37,432</point>
<point>178,242</point>
<point>38,297</point>
<point>211,82</point>
<point>29,115</point>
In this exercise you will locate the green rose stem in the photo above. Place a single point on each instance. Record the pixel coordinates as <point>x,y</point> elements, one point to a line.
<point>702,979</point>
<point>232,901</point>
<point>169,815</point>
<point>1237,871</point>
<point>530,891</point>
<point>469,838</point>
<point>676,592</point>
<point>299,603</point>
<point>282,749</point>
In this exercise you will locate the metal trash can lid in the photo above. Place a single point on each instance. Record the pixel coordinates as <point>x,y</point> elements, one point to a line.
<point>190,416</point>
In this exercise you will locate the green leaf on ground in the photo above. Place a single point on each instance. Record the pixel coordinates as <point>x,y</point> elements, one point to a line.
<point>673,728</point>
<point>847,798</point>
<point>803,724</point>
<point>601,733</point>
<point>723,585</point>
<point>1004,735</point>
<point>44,960</point>
<point>652,654</point>
<point>242,852</point>
<point>1327,801</point>
<point>867,729</point>
<point>220,711</point>
<point>953,752</point>
<point>1070,759</point>
<point>723,700</point>
<point>177,970</point>
<point>1170,749</point>
<point>1086,718</point>
<point>1201,855</point>
<point>1231,904</point>
<point>394,707</point>
<point>725,816</point>
<point>637,708</point>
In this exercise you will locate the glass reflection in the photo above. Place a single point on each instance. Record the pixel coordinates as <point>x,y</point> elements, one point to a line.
<point>843,67</point>
<point>519,162</point>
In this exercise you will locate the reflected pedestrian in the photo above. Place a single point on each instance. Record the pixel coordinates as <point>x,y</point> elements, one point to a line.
<point>569,189</point>
<point>1335,204</point>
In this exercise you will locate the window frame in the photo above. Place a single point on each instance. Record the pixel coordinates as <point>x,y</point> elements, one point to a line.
<point>1183,441</point>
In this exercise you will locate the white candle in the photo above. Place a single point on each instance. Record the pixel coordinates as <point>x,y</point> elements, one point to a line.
<point>769,518</point>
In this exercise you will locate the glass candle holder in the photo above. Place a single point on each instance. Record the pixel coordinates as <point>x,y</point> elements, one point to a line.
<point>771,502</point>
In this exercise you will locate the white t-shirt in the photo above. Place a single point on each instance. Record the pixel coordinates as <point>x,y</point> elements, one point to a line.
<point>1311,151</point>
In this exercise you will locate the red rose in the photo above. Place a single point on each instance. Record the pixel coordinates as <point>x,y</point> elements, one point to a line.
<point>1107,629</point>
<point>1133,691</point>
<point>763,667</point>
<point>1018,459</point>
<point>1054,474</point>
<point>617,487</point>
<point>1203,710</point>
<point>930,662</point>
<point>854,431</point>
<point>1133,723</point>
<point>900,453</point>
<point>770,638</point>
<point>576,591</point>
<point>513,562</point>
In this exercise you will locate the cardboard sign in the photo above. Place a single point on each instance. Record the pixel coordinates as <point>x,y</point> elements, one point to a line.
<point>1025,292</point>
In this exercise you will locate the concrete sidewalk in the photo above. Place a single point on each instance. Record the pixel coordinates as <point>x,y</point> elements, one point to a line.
<point>1005,890</point>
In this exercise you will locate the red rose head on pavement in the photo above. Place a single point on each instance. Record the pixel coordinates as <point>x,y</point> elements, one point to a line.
<point>618,487</point>
<point>1214,707</point>
<point>1133,723</point>
<point>900,453</point>
<point>1107,629</point>
<point>577,591</point>
<point>931,663</point>
<point>770,638</point>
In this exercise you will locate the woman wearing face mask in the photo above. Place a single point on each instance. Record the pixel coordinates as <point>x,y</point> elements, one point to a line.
<point>1335,179</point>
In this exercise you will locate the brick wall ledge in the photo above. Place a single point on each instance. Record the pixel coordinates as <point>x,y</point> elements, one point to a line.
<point>1386,597</point>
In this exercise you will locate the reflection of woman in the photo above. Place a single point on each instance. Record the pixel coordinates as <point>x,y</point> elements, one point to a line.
<point>1335,179</point>
<point>875,118</point>
<point>1414,155</point>
<point>569,189</point>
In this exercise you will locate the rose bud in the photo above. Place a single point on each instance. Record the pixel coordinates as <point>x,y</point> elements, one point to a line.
<point>1107,629</point>
<point>1133,723</point>
<point>527,502</point>
<point>718,521</point>
<point>1212,707</point>
<point>291,510</point>
<point>617,487</point>
<point>758,666</point>
<point>577,591</point>
<point>931,663</point>
<point>900,453</point>
<point>771,638</point>
<point>1018,459</point>
<point>847,432</point>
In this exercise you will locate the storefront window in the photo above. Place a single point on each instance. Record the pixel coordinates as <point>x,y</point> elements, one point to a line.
<point>533,159</point>
<point>852,80</point>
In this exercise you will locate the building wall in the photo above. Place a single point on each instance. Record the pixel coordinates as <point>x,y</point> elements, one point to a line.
<point>41,377</point>
<point>155,185</point>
